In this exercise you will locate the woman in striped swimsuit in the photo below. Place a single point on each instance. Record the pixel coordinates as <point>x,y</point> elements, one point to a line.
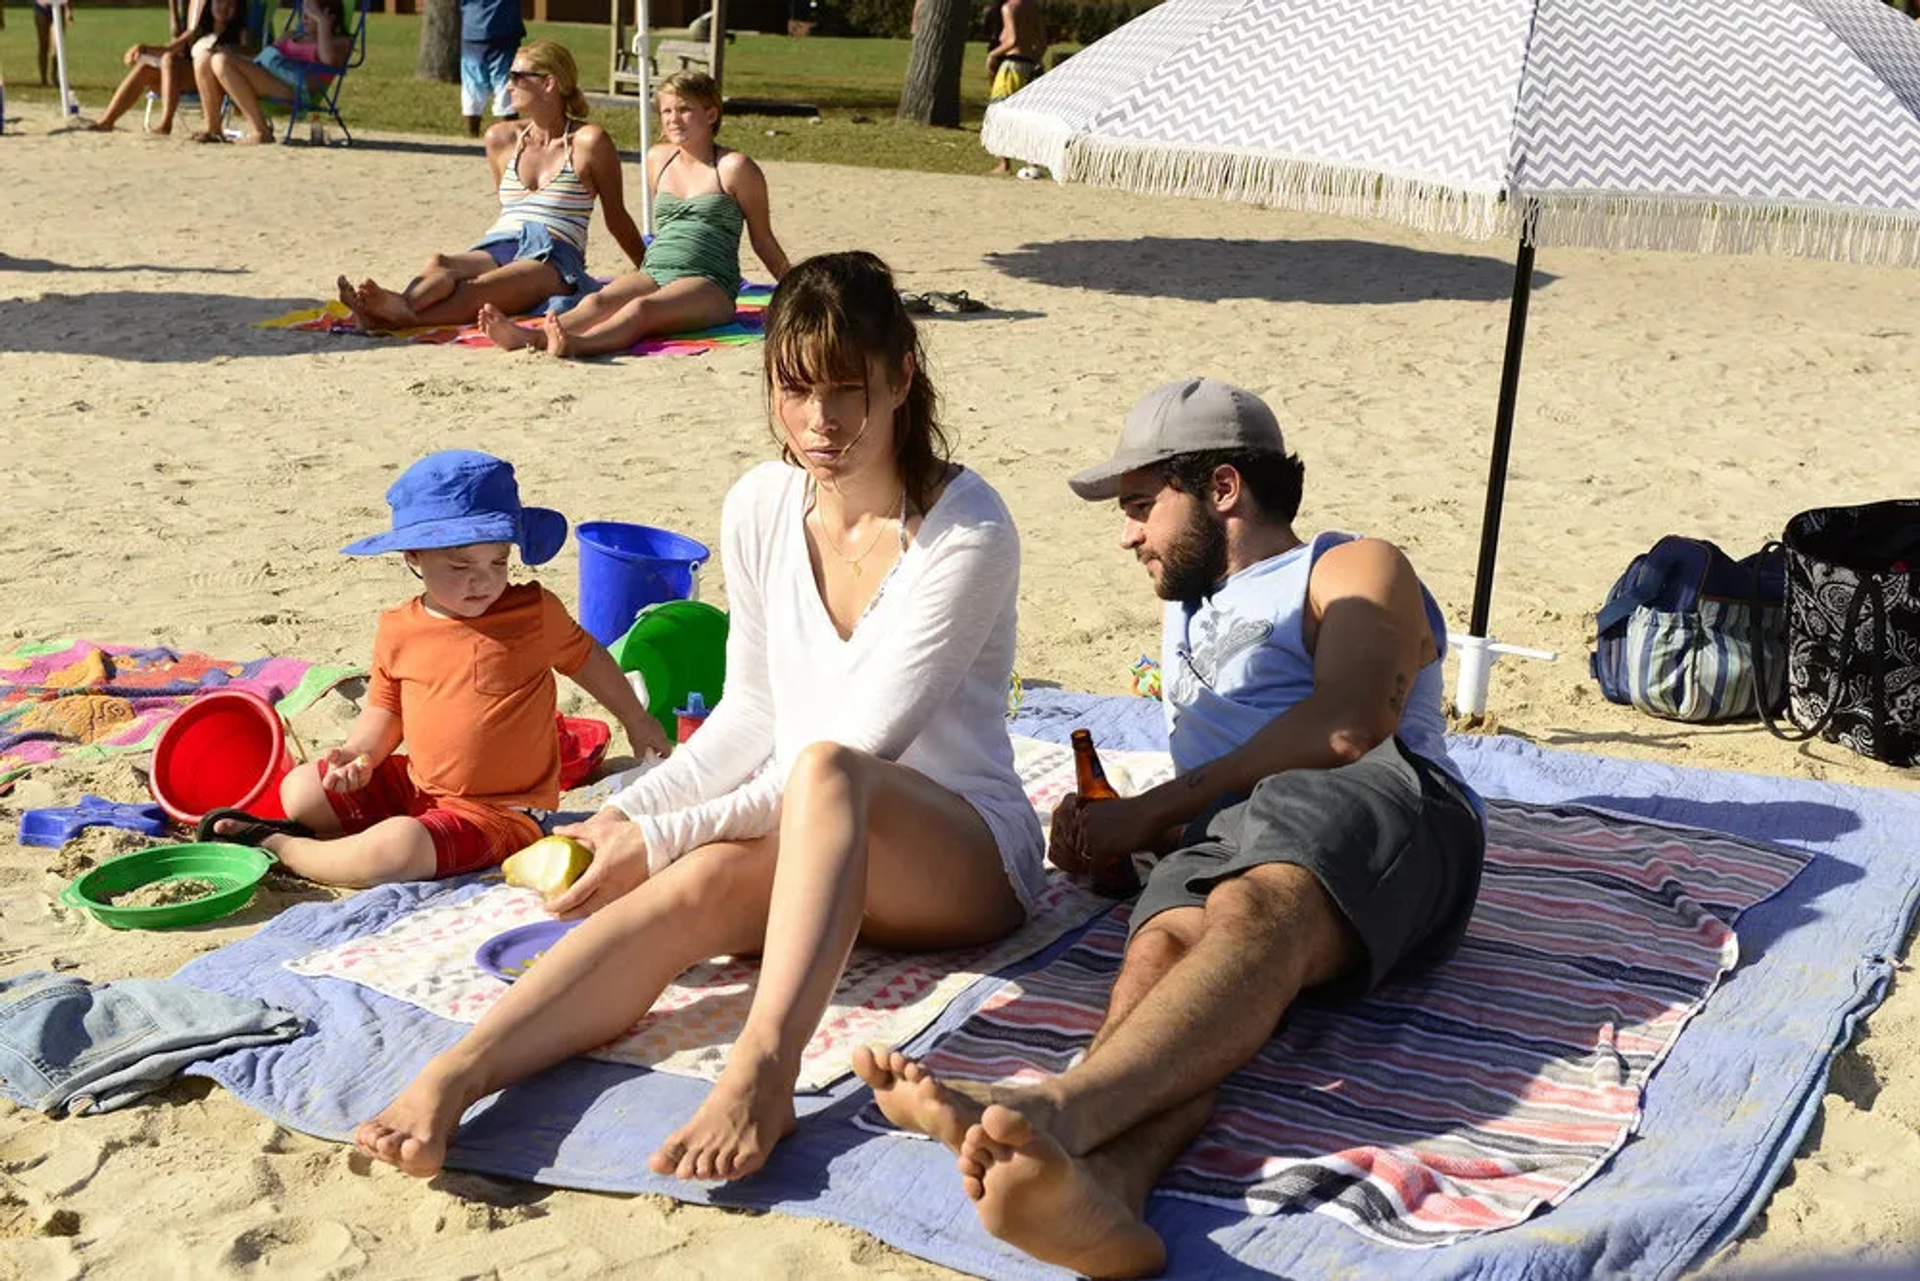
<point>690,276</point>
<point>549,170</point>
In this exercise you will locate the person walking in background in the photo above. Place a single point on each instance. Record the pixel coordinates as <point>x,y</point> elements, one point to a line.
<point>490,34</point>
<point>1013,59</point>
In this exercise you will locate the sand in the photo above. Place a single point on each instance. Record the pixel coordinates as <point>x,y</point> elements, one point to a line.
<point>176,475</point>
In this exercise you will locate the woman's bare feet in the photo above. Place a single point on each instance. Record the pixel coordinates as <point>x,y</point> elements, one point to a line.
<point>251,139</point>
<point>558,342</point>
<point>749,1110</point>
<point>207,135</point>
<point>413,1131</point>
<point>391,310</point>
<point>504,333</point>
<point>100,126</point>
<point>363,317</point>
<point>913,1098</point>
<point>1031,1194</point>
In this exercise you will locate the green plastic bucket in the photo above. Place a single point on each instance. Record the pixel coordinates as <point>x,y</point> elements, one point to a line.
<point>236,869</point>
<point>677,647</point>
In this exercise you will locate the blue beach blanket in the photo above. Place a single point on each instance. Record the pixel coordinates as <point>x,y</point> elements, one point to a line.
<point>1747,1071</point>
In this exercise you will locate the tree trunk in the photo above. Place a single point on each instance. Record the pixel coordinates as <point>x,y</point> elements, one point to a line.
<point>440,42</point>
<point>931,95</point>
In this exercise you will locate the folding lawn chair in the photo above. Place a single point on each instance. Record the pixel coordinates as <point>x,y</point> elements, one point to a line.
<point>316,93</point>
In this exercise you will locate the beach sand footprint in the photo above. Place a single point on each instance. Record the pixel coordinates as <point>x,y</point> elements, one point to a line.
<point>296,1246</point>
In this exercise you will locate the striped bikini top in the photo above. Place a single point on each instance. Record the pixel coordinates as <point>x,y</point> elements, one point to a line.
<point>564,206</point>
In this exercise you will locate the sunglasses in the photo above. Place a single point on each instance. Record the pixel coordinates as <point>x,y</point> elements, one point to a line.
<point>516,75</point>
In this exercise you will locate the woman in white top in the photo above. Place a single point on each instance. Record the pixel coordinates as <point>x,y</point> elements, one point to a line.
<point>856,781</point>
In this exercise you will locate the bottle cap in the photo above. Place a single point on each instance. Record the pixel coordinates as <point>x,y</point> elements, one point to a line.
<point>696,705</point>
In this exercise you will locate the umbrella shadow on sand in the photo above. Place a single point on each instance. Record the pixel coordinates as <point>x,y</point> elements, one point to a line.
<point>1317,271</point>
<point>157,327</point>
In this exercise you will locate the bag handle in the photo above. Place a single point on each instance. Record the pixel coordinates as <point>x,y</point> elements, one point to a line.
<point>1854,606</point>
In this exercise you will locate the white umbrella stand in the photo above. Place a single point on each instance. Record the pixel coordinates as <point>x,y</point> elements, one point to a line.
<point>1688,125</point>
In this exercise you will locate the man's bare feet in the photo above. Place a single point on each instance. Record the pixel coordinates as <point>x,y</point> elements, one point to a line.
<point>1031,1194</point>
<point>749,1110</point>
<point>504,333</point>
<point>413,1131</point>
<point>913,1098</point>
<point>558,342</point>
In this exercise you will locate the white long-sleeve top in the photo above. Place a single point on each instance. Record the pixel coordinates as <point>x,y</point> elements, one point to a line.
<point>922,680</point>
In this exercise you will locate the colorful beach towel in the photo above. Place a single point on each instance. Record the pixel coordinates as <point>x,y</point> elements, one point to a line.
<point>747,326</point>
<point>79,698</point>
<point>1464,1100</point>
<point>426,958</point>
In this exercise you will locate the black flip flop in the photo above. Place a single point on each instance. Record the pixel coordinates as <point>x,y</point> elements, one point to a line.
<point>253,830</point>
<point>956,301</point>
<point>917,304</point>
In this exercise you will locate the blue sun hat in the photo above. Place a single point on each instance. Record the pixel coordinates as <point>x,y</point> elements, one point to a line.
<point>460,496</point>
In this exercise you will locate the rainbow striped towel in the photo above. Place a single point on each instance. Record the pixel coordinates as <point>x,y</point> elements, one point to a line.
<point>746,327</point>
<point>1465,1100</point>
<point>77,698</point>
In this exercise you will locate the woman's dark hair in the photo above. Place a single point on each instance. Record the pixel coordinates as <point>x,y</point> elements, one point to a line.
<point>830,315</point>
<point>1274,480</point>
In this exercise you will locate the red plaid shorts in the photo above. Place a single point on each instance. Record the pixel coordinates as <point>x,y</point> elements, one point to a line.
<point>467,835</point>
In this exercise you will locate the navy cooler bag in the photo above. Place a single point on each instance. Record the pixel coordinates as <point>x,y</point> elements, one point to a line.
<point>1676,637</point>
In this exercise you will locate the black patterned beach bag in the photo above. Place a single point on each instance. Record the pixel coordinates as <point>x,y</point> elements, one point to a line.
<point>1853,629</point>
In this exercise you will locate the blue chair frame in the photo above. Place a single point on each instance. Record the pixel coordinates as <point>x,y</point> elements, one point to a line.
<point>311,100</point>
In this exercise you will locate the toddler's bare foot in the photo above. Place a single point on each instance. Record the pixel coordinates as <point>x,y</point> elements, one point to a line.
<point>413,1131</point>
<point>1030,1193</point>
<point>749,1110</point>
<point>504,333</point>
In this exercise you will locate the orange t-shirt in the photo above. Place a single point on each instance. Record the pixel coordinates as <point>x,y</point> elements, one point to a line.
<point>476,696</point>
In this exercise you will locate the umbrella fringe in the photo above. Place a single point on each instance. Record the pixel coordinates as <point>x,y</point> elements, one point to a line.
<point>1306,185</point>
<point>1700,226</point>
<point>1025,135</point>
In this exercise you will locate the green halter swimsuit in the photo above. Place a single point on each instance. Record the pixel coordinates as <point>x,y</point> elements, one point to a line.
<point>695,236</point>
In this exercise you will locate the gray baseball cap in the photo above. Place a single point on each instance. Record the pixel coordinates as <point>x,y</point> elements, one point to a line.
<point>1186,417</point>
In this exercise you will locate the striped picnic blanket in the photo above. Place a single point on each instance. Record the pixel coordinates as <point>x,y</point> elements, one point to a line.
<point>1462,1101</point>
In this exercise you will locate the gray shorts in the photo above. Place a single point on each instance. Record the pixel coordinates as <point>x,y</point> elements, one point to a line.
<point>1392,838</point>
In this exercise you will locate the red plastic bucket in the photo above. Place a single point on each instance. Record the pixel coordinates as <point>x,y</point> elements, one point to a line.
<point>226,749</point>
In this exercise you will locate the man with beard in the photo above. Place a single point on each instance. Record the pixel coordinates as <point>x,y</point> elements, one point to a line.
<point>1316,840</point>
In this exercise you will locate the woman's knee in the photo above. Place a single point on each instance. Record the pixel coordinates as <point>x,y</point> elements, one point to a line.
<point>828,764</point>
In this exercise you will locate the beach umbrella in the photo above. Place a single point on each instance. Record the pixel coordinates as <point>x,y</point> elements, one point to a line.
<point>1694,125</point>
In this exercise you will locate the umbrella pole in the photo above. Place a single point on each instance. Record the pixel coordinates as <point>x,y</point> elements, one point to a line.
<point>1477,660</point>
<point>644,65</point>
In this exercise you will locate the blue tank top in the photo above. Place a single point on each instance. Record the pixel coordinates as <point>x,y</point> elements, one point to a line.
<point>1237,659</point>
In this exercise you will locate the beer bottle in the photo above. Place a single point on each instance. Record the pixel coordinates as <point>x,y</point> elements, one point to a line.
<point>1090,779</point>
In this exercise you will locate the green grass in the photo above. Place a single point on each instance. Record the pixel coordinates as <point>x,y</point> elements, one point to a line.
<point>855,83</point>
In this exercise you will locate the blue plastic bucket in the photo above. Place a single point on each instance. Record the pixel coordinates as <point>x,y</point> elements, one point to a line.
<point>625,568</point>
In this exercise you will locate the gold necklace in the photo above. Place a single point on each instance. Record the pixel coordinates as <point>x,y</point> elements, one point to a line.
<point>854,561</point>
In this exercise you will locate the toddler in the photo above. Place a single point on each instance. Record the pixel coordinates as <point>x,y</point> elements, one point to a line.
<point>464,674</point>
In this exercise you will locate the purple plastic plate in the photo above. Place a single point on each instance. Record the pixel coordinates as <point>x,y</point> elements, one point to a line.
<point>507,954</point>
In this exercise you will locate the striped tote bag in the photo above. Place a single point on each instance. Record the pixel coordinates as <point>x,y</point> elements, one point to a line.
<point>1676,636</point>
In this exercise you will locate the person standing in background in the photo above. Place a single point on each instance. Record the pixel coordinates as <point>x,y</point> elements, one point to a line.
<point>1013,58</point>
<point>490,34</point>
<point>43,32</point>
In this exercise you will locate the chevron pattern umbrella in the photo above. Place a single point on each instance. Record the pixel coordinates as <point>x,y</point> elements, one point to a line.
<point>1696,125</point>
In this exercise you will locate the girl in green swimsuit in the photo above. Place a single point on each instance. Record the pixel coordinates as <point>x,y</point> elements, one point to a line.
<point>688,280</point>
